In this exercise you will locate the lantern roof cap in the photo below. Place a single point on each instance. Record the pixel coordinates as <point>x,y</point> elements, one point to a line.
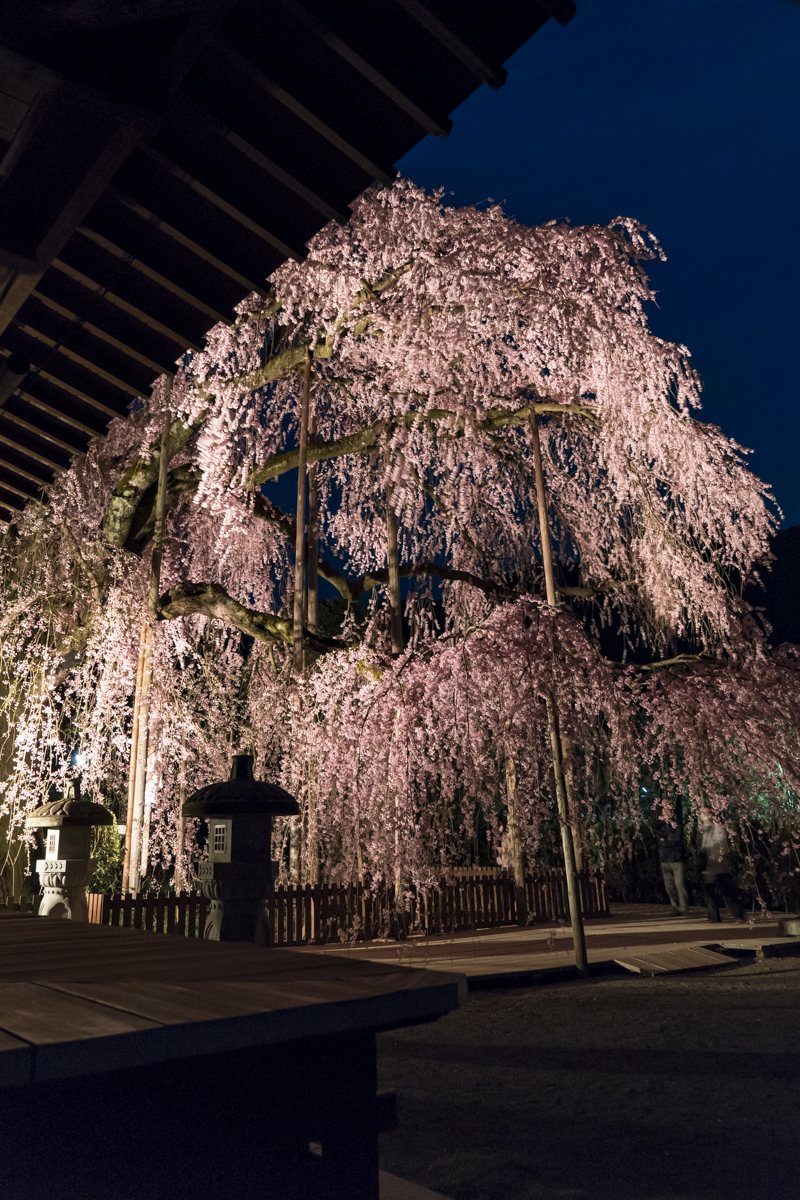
<point>240,794</point>
<point>69,809</point>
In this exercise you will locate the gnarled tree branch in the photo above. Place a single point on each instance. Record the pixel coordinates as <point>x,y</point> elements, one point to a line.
<point>211,600</point>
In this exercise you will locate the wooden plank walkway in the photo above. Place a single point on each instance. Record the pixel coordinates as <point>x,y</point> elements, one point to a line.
<point>635,930</point>
<point>668,962</point>
<point>270,1049</point>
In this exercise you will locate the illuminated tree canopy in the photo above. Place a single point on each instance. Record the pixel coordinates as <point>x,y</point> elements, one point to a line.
<point>436,336</point>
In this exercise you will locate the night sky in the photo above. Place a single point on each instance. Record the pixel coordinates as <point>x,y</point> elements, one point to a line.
<point>683,114</point>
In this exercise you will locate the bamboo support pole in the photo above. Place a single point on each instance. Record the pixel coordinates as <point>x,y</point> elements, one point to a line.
<point>135,843</point>
<point>393,564</point>
<point>300,542</point>
<point>515,838</point>
<point>573,889</point>
<point>312,619</point>
<point>126,862</point>
<point>572,807</point>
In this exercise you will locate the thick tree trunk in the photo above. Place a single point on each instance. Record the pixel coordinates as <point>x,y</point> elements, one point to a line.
<point>135,842</point>
<point>300,540</point>
<point>515,839</point>
<point>393,564</point>
<point>573,889</point>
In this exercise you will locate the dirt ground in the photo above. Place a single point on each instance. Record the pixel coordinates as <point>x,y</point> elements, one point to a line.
<point>684,1087</point>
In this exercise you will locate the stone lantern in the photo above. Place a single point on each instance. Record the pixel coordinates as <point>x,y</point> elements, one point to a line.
<point>239,873</point>
<point>67,865</point>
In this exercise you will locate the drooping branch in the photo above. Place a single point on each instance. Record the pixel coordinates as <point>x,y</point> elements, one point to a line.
<point>211,600</point>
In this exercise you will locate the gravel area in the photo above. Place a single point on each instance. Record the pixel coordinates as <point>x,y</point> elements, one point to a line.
<point>685,1087</point>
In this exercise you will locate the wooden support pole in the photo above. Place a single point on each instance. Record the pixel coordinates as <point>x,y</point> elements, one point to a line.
<point>300,542</point>
<point>515,838</point>
<point>393,563</point>
<point>141,738</point>
<point>313,538</point>
<point>573,889</point>
<point>137,695</point>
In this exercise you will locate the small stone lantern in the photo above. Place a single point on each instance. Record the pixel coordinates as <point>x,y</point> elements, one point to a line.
<point>67,867</point>
<point>239,873</point>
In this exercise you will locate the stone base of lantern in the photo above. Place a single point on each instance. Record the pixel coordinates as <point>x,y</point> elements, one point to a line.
<point>65,882</point>
<point>236,912</point>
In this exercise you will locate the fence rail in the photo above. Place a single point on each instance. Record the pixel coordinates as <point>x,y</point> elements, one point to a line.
<point>302,916</point>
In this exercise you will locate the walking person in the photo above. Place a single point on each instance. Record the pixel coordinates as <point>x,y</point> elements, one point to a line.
<point>717,877</point>
<point>670,857</point>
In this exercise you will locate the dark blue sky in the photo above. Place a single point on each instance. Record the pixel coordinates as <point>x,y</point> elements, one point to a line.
<point>684,114</point>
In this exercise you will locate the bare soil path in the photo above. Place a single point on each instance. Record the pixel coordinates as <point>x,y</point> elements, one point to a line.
<point>682,1087</point>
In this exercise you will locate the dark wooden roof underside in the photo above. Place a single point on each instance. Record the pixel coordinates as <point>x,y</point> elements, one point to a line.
<point>159,160</point>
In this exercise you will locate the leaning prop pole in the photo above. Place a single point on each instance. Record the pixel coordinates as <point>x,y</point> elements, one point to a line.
<point>573,891</point>
<point>393,564</point>
<point>298,657</point>
<point>300,542</point>
<point>132,865</point>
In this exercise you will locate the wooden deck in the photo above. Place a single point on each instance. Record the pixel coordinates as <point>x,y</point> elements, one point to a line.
<point>201,1045</point>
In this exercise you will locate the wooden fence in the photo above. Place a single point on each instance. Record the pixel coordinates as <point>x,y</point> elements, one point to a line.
<point>184,914</point>
<point>301,916</point>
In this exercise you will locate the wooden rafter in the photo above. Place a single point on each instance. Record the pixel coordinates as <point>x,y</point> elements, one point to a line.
<point>182,240</point>
<point>40,433</point>
<point>117,301</point>
<point>100,334</point>
<point>76,392</point>
<point>57,413</point>
<point>25,450</point>
<point>229,209</point>
<point>9,487</point>
<point>202,117</point>
<point>155,276</point>
<point>493,75</point>
<point>438,127</point>
<point>244,67</point>
<point>38,336</point>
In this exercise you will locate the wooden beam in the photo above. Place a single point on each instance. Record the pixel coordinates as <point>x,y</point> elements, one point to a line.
<point>20,449</point>
<point>78,358</point>
<point>13,370</point>
<point>183,240</point>
<point>60,416</point>
<point>25,277</point>
<point>73,391</point>
<point>439,128</point>
<point>243,66</point>
<point>118,302</point>
<point>161,280</point>
<point>9,507</point>
<point>40,433</point>
<point>201,116</point>
<point>234,213</point>
<point>494,76</point>
<point>101,334</point>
